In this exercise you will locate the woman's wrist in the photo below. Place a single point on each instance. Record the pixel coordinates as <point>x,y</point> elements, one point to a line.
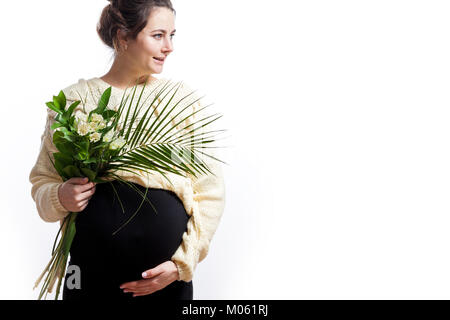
<point>177,273</point>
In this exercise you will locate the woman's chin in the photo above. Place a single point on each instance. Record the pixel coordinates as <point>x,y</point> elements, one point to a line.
<point>156,70</point>
<point>156,67</point>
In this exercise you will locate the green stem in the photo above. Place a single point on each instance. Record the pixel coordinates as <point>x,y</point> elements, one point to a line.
<point>132,216</point>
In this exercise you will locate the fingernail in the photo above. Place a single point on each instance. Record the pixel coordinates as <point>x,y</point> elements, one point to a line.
<point>144,274</point>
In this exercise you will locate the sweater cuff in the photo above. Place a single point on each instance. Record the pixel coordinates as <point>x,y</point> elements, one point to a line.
<point>54,198</point>
<point>178,270</point>
<point>184,271</point>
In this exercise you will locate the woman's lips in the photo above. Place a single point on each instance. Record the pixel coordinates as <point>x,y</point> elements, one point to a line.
<point>158,61</point>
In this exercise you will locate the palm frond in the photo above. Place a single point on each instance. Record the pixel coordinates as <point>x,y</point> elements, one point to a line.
<point>161,143</point>
<point>155,145</point>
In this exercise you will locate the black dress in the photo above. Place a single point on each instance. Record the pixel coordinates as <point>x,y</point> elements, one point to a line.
<point>106,261</point>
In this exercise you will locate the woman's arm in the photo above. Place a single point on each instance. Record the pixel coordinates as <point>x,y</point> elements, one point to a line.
<point>209,203</point>
<point>209,197</point>
<point>45,179</point>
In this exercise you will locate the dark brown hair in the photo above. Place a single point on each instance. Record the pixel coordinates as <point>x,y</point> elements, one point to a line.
<point>129,16</point>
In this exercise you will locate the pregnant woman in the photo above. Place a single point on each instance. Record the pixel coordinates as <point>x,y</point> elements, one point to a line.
<point>154,256</point>
<point>106,262</point>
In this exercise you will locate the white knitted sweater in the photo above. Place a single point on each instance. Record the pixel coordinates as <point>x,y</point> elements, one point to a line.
<point>203,197</point>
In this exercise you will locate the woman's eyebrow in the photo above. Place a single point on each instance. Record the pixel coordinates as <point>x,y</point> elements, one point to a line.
<point>163,31</point>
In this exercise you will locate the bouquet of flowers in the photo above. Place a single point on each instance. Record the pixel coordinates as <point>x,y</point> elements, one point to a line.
<point>98,143</point>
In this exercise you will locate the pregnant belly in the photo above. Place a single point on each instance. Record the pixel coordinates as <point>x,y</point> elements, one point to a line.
<point>149,239</point>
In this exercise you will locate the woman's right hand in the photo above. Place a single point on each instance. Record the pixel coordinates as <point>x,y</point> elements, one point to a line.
<point>75,193</point>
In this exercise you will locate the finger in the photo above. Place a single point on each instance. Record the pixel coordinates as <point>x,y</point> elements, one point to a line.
<point>79,180</point>
<point>128,285</point>
<point>142,291</point>
<point>142,286</point>
<point>139,285</point>
<point>137,291</point>
<point>83,204</point>
<point>145,292</point>
<point>87,194</point>
<point>84,187</point>
<point>141,294</point>
<point>145,285</point>
<point>83,198</point>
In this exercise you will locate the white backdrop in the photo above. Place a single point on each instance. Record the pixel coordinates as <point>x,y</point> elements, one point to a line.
<point>338,179</point>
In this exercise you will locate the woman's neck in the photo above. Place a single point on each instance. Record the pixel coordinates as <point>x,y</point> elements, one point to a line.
<point>122,76</point>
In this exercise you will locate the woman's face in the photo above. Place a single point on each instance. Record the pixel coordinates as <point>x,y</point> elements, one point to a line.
<point>154,41</point>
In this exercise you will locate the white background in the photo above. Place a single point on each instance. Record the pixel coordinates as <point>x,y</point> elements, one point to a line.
<point>338,112</point>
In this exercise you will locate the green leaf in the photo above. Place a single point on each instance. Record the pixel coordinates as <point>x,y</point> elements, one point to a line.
<point>56,125</point>
<point>70,234</point>
<point>91,160</point>
<point>104,100</point>
<point>62,99</point>
<point>108,114</point>
<point>62,120</point>
<point>102,103</point>
<point>89,173</point>
<point>65,131</point>
<point>53,107</point>
<point>59,168</point>
<point>61,161</point>
<point>65,147</point>
<point>72,171</point>
<point>66,115</point>
<point>57,137</point>
<point>71,122</point>
<point>73,106</point>
<point>81,156</point>
<point>63,158</point>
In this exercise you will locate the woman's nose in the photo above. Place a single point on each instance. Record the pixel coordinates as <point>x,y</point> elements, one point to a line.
<point>168,46</point>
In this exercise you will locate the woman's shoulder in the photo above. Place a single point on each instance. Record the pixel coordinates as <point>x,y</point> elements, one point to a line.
<point>87,90</point>
<point>76,89</point>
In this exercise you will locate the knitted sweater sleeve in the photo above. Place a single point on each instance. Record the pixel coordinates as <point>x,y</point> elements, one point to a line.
<point>45,179</point>
<point>209,197</point>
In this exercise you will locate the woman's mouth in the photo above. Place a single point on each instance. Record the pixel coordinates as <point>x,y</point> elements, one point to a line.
<point>159,60</point>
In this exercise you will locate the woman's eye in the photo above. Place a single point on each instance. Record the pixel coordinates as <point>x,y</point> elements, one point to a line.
<point>159,35</point>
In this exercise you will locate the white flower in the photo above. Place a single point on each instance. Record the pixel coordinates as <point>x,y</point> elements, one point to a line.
<point>83,128</point>
<point>95,117</point>
<point>101,124</point>
<point>92,126</point>
<point>94,137</point>
<point>79,117</point>
<point>117,143</point>
<point>108,136</point>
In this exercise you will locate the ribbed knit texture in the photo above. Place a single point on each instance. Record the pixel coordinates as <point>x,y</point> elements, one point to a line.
<point>203,197</point>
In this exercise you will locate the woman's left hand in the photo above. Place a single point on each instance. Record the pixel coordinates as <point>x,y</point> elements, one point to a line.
<point>154,279</point>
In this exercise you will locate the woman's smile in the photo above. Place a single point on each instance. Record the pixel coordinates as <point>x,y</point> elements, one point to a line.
<point>158,60</point>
